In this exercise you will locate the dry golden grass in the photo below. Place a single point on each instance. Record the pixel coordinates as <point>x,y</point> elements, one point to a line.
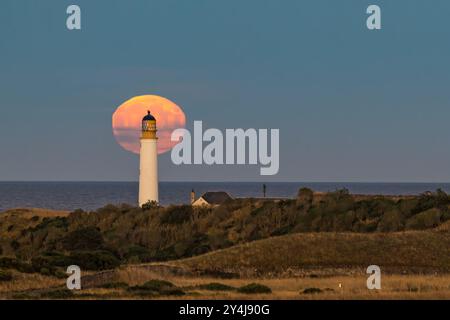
<point>287,264</point>
<point>28,213</point>
<point>352,287</point>
<point>445,227</point>
<point>25,281</point>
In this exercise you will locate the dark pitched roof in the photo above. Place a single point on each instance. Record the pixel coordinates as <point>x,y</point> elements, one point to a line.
<point>216,197</point>
<point>148,117</point>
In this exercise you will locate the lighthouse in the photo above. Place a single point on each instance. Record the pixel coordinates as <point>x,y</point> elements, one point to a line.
<point>148,173</point>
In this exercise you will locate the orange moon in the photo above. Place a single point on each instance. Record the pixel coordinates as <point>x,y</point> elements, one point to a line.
<point>127,121</point>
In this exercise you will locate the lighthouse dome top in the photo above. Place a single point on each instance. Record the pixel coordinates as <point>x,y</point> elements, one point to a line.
<point>149,126</point>
<point>149,117</point>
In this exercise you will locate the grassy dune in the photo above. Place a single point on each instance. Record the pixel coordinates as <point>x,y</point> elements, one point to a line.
<point>24,282</point>
<point>298,266</point>
<point>404,252</point>
<point>319,265</point>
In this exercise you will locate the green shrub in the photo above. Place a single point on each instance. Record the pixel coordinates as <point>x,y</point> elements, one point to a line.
<point>57,294</point>
<point>445,215</point>
<point>60,274</point>
<point>5,276</point>
<point>88,260</point>
<point>45,271</point>
<point>172,292</point>
<point>15,245</point>
<point>176,214</point>
<point>312,291</point>
<point>11,263</point>
<point>57,222</point>
<point>157,287</point>
<point>139,253</point>
<point>88,238</point>
<point>58,259</point>
<point>22,296</point>
<point>8,263</point>
<point>254,288</point>
<point>40,263</point>
<point>48,264</point>
<point>95,260</point>
<point>151,204</point>
<point>165,254</point>
<point>109,208</point>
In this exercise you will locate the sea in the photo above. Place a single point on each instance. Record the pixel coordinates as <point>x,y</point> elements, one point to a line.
<point>93,195</point>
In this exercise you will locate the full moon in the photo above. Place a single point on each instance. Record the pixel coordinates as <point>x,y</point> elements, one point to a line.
<point>127,119</point>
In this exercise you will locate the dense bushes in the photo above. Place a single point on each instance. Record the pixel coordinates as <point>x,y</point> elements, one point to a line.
<point>339,211</point>
<point>5,276</point>
<point>88,238</point>
<point>137,254</point>
<point>94,260</point>
<point>15,264</point>
<point>48,263</point>
<point>55,263</point>
<point>176,214</point>
<point>57,294</point>
<point>112,235</point>
<point>157,287</point>
<point>254,288</point>
<point>57,222</point>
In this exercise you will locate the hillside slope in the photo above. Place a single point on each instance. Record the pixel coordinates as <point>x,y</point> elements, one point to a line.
<point>13,222</point>
<point>405,252</point>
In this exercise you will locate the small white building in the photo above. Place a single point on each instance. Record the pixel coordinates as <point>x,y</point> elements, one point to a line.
<point>210,199</point>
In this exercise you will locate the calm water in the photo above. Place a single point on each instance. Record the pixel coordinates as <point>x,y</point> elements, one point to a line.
<point>92,195</point>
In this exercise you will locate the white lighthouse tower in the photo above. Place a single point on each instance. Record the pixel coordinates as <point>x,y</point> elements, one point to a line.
<point>148,175</point>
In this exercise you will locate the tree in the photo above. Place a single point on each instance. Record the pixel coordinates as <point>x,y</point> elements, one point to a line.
<point>305,198</point>
<point>151,204</point>
<point>15,245</point>
<point>88,238</point>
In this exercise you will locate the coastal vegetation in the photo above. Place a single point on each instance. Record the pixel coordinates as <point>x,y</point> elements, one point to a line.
<point>315,246</point>
<point>352,286</point>
<point>115,235</point>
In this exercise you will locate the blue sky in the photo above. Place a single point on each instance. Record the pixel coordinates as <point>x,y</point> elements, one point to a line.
<point>351,104</point>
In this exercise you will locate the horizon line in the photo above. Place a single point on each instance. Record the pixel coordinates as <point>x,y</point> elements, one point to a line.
<point>223,181</point>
